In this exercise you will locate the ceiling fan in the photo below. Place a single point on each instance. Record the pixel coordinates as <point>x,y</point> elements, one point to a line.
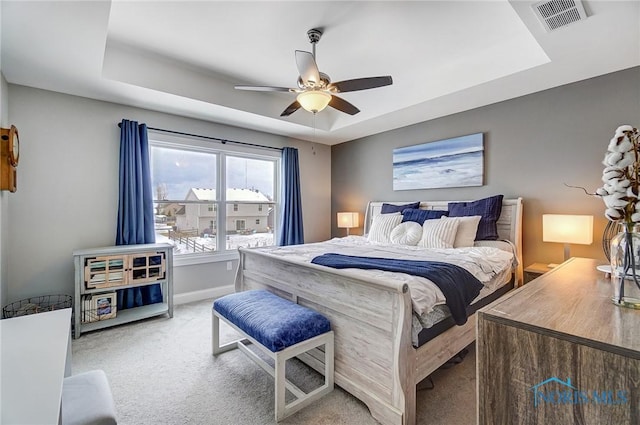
<point>315,89</point>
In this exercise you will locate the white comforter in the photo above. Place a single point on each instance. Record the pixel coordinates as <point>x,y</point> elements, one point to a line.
<point>483,262</point>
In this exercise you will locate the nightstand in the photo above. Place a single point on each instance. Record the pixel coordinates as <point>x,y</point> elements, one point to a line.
<point>535,270</point>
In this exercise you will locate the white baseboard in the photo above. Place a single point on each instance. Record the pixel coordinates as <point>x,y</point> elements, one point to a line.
<point>204,294</point>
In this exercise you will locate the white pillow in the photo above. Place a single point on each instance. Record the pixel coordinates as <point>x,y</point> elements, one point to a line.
<point>382,226</point>
<point>407,233</point>
<point>467,229</point>
<point>438,233</point>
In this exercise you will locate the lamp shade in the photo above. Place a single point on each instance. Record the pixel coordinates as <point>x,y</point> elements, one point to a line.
<point>569,229</point>
<point>348,219</point>
<point>314,100</point>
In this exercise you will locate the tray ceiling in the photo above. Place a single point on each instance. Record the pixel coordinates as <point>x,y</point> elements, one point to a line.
<point>185,57</point>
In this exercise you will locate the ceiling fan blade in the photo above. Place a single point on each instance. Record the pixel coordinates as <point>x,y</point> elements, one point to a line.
<point>343,105</point>
<point>263,88</point>
<point>291,109</point>
<point>307,67</point>
<point>362,83</point>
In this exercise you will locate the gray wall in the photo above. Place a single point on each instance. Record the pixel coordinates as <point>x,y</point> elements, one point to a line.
<point>67,187</point>
<point>4,122</point>
<point>533,145</point>
<point>67,177</point>
<point>4,198</point>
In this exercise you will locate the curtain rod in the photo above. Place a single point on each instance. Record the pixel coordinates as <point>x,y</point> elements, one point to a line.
<point>216,139</point>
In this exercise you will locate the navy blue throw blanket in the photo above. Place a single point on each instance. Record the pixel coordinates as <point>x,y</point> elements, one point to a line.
<point>458,285</point>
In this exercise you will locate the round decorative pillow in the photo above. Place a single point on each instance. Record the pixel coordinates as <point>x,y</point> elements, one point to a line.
<point>407,233</point>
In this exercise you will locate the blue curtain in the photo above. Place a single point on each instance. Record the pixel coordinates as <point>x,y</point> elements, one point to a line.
<point>135,223</point>
<point>291,231</point>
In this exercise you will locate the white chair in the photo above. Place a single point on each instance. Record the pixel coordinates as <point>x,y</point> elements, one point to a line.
<point>87,400</point>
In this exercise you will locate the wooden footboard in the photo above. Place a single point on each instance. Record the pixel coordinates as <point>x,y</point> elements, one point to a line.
<point>371,320</point>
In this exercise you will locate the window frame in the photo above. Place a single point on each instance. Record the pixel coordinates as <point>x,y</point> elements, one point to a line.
<point>221,151</point>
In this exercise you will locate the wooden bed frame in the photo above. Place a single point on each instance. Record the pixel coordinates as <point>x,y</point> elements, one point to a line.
<point>375,360</point>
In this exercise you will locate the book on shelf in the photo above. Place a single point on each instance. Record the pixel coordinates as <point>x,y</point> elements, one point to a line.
<point>97,307</point>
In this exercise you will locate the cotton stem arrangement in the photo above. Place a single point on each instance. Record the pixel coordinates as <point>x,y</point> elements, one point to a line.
<point>620,194</point>
<point>621,177</point>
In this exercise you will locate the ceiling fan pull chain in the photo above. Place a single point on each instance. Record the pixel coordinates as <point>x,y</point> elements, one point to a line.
<point>314,126</point>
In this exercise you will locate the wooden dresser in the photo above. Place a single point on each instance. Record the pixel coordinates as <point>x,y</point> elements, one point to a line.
<point>558,351</point>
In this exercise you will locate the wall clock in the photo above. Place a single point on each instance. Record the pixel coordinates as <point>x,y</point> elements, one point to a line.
<point>9,157</point>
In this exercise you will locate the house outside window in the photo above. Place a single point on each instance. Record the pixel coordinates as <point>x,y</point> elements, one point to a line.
<point>192,180</point>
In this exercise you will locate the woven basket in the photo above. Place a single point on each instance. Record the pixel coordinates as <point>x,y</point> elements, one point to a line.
<point>36,305</point>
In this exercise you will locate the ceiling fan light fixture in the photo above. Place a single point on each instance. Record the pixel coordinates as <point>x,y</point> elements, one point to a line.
<point>314,100</point>
<point>315,89</point>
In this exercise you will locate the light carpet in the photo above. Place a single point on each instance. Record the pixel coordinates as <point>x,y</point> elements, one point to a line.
<point>161,371</point>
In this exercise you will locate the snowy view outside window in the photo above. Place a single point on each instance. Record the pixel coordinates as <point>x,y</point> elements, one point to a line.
<point>191,214</point>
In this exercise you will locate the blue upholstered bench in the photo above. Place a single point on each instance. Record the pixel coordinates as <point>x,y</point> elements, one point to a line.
<point>282,329</point>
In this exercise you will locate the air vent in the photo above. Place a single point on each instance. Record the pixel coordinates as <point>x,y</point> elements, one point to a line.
<point>556,14</point>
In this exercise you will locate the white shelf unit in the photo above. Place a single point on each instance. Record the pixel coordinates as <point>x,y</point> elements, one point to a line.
<point>100,271</point>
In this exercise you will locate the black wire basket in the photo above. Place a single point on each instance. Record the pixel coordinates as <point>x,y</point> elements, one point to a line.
<point>36,305</point>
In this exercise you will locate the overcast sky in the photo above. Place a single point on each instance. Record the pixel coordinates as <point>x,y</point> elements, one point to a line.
<point>180,170</point>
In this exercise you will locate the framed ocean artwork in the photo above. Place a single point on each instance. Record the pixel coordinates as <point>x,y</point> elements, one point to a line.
<point>455,162</point>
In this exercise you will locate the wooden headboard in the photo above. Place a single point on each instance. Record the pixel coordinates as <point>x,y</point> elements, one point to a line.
<point>509,223</point>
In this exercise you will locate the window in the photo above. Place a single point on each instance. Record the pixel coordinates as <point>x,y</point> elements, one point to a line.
<point>204,197</point>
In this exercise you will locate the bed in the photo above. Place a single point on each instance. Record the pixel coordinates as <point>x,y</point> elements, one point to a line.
<point>375,357</point>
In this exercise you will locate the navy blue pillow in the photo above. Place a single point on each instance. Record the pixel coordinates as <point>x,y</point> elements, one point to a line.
<point>420,216</point>
<point>390,208</point>
<point>489,208</point>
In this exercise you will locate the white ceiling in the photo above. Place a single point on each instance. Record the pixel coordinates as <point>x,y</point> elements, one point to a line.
<point>185,57</point>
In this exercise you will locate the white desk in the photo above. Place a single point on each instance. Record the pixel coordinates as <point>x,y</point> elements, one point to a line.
<point>33,356</point>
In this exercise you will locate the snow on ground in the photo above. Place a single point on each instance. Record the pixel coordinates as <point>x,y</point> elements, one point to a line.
<point>233,242</point>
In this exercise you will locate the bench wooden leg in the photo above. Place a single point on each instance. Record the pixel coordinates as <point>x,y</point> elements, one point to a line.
<point>280,390</point>
<point>216,348</point>
<point>329,364</point>
<point>303,399</point>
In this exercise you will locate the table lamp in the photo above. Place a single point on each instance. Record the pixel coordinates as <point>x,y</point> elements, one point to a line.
<point>348,220</point>
<point>567,229</point>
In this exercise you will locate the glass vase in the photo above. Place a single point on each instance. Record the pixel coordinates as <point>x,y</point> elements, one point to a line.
<point>625,267</point>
